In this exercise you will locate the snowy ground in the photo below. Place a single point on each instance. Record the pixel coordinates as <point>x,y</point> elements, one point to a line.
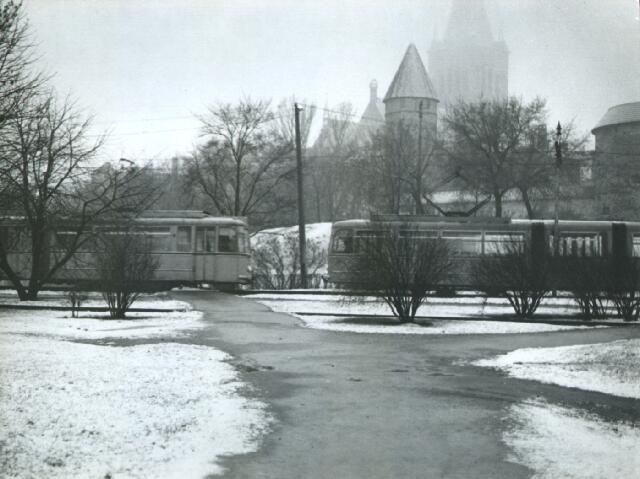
<point>557,441</point>
<point>448,307</point>
<point>560,442</point>
<point>610,368</point>
<point>70,409</point>
<point>59,298</point>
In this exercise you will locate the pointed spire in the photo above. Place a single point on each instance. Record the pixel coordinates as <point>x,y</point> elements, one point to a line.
<point>411,80</point>
<point>373,91</point>
<point>468,22</point>
<point>372,113</point>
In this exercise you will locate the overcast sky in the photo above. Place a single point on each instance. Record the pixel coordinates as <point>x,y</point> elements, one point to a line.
<point>144,67</point>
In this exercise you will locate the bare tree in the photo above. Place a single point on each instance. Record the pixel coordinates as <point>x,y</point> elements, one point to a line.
<point>487,142</point>
<point>45,149</point>
<point>329,166</point>
<point>401,156</point>
<point>402,269</point>
<point>18,80</point>
<point>246,160</point>
<point>125,266</point>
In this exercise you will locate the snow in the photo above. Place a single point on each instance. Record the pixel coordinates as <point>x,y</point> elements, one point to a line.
<point>332,305</point>
<point>462,306</point>
<point>318,233</point>
<point>610,368</point>
<point>557,441</point>
<point>334,323</point>
<point>90,326</point>
<point>93,299</point>
<point>151,410</point>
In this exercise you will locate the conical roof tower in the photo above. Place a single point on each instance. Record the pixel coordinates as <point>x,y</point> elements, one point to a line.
<point>411,80</point>
<point>411,93</point>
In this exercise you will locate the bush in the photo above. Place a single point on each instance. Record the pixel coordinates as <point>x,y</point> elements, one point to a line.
<point>76,298</point>
<point>402,271</point>
<point>587,280</point>
<point>125,266</point>
<point>516,275</point>
<point>624,283</point>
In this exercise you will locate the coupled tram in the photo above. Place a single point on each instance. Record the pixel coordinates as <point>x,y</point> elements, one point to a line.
<point>471,238</point>
<point>191,247</point>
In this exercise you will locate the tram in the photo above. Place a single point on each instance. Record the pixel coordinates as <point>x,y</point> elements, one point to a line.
<point>470,238</point>
<point>192,248</point>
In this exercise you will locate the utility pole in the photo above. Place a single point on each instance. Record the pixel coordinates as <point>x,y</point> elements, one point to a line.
<point>302,237</point>
<point>558,147</point>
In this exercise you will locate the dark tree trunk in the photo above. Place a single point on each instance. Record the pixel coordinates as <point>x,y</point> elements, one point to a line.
<point>498,204</point>
<point>527,203</point>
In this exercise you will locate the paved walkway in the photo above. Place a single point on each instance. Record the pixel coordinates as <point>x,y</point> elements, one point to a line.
<point>381,406</point>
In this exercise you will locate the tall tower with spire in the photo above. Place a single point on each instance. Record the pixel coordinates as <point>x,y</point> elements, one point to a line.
<point>411,97</point>
<point>468,64</point>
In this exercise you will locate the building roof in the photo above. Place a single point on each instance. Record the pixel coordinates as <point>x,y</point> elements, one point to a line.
<point>620,114</point>
<point>411,79</point>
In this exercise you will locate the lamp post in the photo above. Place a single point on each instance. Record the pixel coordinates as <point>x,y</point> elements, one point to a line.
<point>558,147</point>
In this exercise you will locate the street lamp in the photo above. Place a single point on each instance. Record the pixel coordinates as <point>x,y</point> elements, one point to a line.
<point>558,148</point>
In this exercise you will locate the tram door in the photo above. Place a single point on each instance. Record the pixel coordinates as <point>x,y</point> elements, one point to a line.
<point>204,257</point>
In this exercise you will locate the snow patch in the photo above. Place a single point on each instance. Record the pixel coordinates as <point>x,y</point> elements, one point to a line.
<point>610,368</point>
<point>163,410</point>
<point>85,410</point>
<point>87,326</point>
<point>557,442</point>
<point>436,327</point>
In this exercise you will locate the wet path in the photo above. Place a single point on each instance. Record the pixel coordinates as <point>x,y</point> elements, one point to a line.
<point>381,406</point>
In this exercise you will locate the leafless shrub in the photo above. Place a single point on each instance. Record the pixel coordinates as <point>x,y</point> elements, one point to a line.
<point>76,298</point>
<point>516,275</point>
<point>624,286</point>
<point>586,279</point>
<point>124,265</point>
<point>402,270</point>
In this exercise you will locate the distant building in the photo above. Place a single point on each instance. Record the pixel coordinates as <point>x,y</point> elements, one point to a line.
<point>468,64</point>
<point>617,162</point>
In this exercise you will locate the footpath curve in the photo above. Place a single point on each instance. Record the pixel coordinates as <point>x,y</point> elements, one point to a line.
<point>351,405</point>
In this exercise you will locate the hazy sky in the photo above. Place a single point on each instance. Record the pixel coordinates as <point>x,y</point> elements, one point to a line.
<point>144,67</point>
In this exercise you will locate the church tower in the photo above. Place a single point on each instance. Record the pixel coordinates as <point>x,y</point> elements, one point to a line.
<point>412,94</point>
<point>468,64</point>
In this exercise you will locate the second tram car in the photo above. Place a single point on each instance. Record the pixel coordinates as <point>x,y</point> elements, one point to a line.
<point>471,238</point>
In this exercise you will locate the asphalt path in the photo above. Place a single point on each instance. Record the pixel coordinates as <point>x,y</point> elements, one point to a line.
<point>351,405</point>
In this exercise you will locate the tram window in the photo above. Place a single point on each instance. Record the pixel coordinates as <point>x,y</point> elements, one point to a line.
<point>227,240</point>
<point>242,242</point>
<point>636,245</point>
<point>365,239</point>
<point>500,243</point>
<point>464,242</point>
<point>418,234</point>
<point>205,240</point>
<point>578,244</point>
<point>342,241</point>
<point>184,238</point>
<point>159,238</point>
